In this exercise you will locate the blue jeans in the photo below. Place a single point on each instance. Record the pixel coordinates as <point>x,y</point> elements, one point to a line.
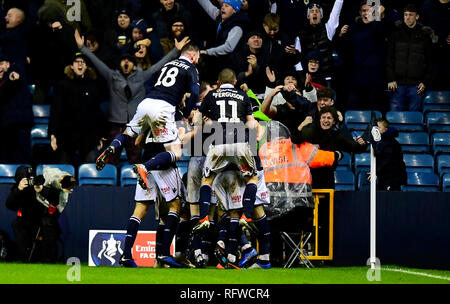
<point>405,98</point>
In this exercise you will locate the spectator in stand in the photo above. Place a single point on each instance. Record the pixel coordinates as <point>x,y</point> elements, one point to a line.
<point>272,40</point>
<point>76,122</point>
<point>14,38</point>
<point>126,90</point>
<point>53,43</point>
<point>280,58</point>
<point>177,30</point>
<point>318,36</point>
<point>163,18</point>
<point>391,169</point>
<point>118,36</point>
<point>325,98</point>
<point>290,113</point>
<point>16,115</point>
<point>203,29</point>
<point>75,16</point>
<point>250,63</point>
<point>291,12</point>
<point>329,138</point>
<point>409,63</point>
<point>141,31</point>
<point>363,47</point>
<point>309,92</point>
<point>436,14</point>
<point>230,30</point>
<point>312,73</point>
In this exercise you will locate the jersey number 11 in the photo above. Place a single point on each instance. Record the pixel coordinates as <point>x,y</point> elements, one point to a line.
<point>223,117</point>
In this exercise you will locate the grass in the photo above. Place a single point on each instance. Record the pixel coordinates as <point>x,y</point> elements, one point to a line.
<point>16,273</point>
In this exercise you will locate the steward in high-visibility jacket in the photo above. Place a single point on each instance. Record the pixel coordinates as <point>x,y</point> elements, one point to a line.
<point>287,172</point>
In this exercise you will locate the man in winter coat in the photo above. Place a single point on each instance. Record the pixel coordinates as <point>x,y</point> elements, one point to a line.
<point>409,63</point>
<point>76,122</point>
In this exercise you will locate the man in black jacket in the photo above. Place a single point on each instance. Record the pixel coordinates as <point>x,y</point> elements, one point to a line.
<point>76,121</point>
<point>16,115</point>
<point>391,169</point>
<point>409,63</point>
<point>34,220</point>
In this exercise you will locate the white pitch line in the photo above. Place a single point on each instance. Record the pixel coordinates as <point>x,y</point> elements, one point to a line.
<point>417,273</point>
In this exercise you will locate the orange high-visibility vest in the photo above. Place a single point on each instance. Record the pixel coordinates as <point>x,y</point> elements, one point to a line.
<point>284,162</point>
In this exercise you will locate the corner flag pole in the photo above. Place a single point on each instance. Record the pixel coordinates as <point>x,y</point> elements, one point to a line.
<point>373,208</point>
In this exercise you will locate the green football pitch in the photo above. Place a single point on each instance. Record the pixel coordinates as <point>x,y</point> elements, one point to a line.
<point>16,273</point>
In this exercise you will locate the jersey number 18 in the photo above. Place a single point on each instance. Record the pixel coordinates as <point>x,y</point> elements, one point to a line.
<point>167,79</point>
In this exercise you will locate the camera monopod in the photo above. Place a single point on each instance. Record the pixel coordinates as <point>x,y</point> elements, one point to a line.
<point>34,244</point>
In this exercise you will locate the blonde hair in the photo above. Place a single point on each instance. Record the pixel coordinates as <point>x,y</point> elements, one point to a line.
<point>227,76</point>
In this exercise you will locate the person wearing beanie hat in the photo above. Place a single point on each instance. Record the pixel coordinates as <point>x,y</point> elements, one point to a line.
<point>142,26</point>
<point>149,45</point>
<point>230,29</point>
<point>235,4</point>
<point>118,36</point>
<point>250,61</point>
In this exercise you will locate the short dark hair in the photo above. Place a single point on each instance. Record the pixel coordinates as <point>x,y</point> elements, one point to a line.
<point>411,8</point>
<point>325,92</point>
<point>190,47</point>
<point>331,110</point>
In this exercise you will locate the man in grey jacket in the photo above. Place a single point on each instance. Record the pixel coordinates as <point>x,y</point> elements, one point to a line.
<point>126,90</point>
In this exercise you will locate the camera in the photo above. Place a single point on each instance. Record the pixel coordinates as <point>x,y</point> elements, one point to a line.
<point>68,182</point>
<point>34,180</point>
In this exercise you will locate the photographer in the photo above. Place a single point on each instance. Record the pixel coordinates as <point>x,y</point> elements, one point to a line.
<point>38,200</point>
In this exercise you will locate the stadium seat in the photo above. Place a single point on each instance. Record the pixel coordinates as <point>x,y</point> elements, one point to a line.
<point>362,162</point>
<point>363,184</point>
<point>414,142</point>
<point>437,122</point>
<point>421,181</point>
<point>406,121</point>
<point>88,175</point>
<point>344,180</point>
<point>358,120</point>
<point>39,135</point>
<point>440,142</point>
<point>436,101</point>
<point>127,176</point>
<point>345,163</point>
<point>7,173</point>
<point>63,167</point>
<point>446,182</point>
<point>443,164</point>
<point>41,114</point>
<point>419,162</point>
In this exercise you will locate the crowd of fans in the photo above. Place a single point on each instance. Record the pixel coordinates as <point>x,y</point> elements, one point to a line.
<point>367,57</point>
